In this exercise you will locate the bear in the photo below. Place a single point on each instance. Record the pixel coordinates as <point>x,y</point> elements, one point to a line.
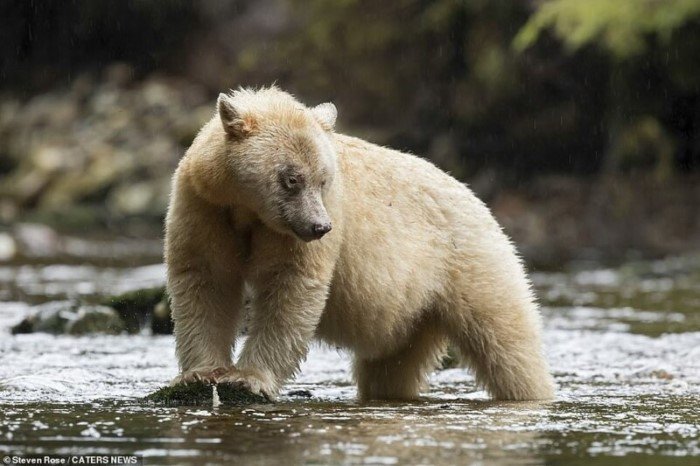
<point>331,237</point>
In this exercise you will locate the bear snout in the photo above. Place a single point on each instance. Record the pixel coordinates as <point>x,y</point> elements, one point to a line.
<point>313,231</point>
<point>318,230</point>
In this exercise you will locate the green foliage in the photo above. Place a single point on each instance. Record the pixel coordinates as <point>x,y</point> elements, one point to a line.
<point>445,79</point>
<point>389,65</point>
<point>619,27</point>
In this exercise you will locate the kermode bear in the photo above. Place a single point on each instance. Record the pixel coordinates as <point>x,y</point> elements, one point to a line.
<point>363,247</point>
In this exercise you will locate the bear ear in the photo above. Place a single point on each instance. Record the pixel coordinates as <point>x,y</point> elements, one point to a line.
<point>325,114</point>
<point>234,125</point>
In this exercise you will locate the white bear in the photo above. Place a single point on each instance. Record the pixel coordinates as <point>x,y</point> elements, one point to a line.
<point>363,247</point>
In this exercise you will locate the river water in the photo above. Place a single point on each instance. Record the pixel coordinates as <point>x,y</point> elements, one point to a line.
<point>623,344</point>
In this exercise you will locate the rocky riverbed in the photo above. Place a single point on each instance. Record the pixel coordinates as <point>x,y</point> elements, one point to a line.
<point>623,342</point>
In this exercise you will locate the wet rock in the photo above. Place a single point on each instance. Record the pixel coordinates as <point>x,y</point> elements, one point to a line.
<point>26,325</point>
<point>450,360</point>
<point>68,317</point>
<point>36,240</point>
<point>662,374</point>
<point>96,319</point>
<point>51,318</point>
<point>8,247</point>
<point>87,145</point>
<point>144,198</point>
<point>162,323</point>
<point>138,308</point>
<point>201,394</point>
<point>300,393</point>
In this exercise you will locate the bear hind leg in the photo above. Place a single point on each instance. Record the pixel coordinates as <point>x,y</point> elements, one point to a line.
<point>504,351</point>
<point>402,375</point>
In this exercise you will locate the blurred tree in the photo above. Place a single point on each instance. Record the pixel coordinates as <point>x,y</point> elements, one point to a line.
<point>621,28</point>
<point>45,42</point>
<point>440,77</point>
<point>654,85</point>
<point>437,77</point>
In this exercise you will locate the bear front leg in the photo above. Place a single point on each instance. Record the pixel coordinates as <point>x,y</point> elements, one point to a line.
<point>204,284</point>
<point>206,317</point>
<point>286,310</point>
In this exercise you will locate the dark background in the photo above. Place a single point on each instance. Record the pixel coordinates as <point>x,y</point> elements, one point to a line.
<point>578,122</point>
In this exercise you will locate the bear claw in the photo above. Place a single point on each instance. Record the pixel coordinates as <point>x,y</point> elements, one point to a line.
<point>206,375</point>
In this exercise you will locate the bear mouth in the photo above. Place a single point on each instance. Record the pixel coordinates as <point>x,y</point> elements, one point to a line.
<point>307,236</point>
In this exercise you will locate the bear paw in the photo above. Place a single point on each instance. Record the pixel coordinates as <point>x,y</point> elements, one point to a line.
<point>252,380</point>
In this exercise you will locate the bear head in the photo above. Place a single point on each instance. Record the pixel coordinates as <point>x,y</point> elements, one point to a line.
<point>282,158</point>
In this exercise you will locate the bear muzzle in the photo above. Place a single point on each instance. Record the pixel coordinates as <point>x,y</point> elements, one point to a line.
<point>314,232</point>
<point>318,230</point>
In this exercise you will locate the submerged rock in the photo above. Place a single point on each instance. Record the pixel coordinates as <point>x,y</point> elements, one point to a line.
<point>96,319</point>
<point>68,317</point>
<point>52,317</point>
<point>129,312</point>
<point>201,394</point>
<point>300,393</point>
<point>138,308</point>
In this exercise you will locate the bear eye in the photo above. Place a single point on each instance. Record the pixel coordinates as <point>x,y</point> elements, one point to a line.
<point>292,181</point>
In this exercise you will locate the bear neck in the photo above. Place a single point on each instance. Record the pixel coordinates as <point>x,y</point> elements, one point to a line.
<point>206,170</point>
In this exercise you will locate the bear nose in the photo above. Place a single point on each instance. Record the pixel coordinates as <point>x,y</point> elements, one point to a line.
<point>320,229</point>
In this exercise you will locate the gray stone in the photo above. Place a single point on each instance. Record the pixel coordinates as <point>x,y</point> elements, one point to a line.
<point>96,319</point>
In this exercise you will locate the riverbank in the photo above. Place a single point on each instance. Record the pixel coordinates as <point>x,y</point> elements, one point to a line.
<point>553,221</point>
<point>95,159</point>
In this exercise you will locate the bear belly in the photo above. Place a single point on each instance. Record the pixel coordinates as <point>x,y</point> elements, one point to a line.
<point>372,325</point>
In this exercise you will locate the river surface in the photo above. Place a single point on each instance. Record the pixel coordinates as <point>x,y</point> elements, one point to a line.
<point>623,344</point>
